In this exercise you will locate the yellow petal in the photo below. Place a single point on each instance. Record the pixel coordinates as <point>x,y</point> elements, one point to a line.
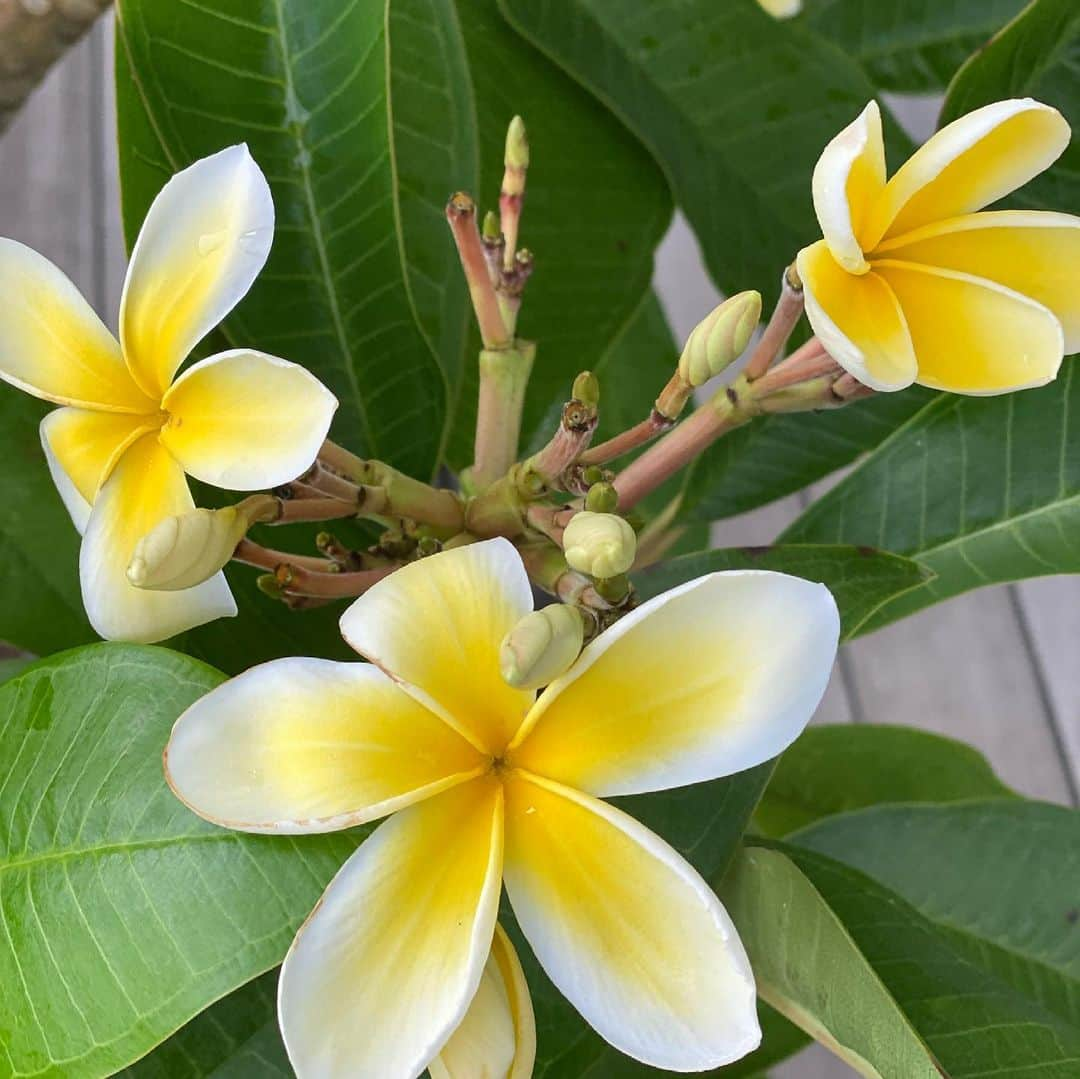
<point>706,680</point>
<point>436,625</point>
<point>309,745</point>
<point>52,344</point>
<point>497,1037</point>
<point>145,486</point>
<point>1031,252</point>
<point>244,420</point>
<point>87,444</point>
<point>848,179</point>
<point>857,319</point>
<point>627,930</point>
<point>974,336</point>
<point>969,164</point>
<point>204,240</point>
<point>385,968</point>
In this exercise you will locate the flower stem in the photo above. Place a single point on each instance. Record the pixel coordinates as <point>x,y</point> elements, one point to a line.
<point>461,215</point>
<point>786,314</point>
<point>638,435</point>
<point>504,376</point>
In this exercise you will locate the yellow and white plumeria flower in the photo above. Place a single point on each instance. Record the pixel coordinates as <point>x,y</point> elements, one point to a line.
<point>488,783</point>
<point>119,449</point>
<point>910,284</point>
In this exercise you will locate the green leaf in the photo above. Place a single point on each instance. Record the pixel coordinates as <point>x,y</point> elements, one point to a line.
<point>362,285</point>
<point>809,967</point>
<point>735,106</point>
<point>861,579</point>
<point>10,666</point>
<point>1036,55</point>
<point>124,914</point>
<point>910,46</point>
<point>39,548</point>
<point>596,207</point>
<point>236,1038</point>
<point>970,921</point>
<point>837,769</point>
<point>979,490</point>
<point>776,456</point>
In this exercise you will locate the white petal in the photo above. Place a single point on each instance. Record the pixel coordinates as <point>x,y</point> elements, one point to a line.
<point>309,745</point>
<point>436,626</point>
<point>627,930</point>
<point>205,239</point>
<point>384,970</point>
<point>712,677</point>
<point>146,486</point>
<point>848,178</point>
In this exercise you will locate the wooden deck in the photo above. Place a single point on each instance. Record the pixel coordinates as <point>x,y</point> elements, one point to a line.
<point>998,668</point>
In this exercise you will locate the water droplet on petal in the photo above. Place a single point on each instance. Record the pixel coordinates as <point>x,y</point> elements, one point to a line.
<point>211,241</point>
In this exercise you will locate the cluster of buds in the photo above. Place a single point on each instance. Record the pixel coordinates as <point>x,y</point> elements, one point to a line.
<point>570,507</point>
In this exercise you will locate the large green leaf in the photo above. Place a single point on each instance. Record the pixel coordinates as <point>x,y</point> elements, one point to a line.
<point>980,490</point>
<point>969,920</point>
<point>808,966</point>
<point>39,547</point>
<point>837,769</point>
<point>974,943</point>
<point>735,106</point>
<point>861,579</point>
<point>124,914</point>
<point>360,150</point>
<point>1037,55</point>
<point>911,46</point>
<point>236,1038</point>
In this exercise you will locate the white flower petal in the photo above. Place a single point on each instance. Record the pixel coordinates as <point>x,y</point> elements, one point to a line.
<point>627,930</point>
<point>205,239</point>
<point>712,677</point>
<point>384,970</point>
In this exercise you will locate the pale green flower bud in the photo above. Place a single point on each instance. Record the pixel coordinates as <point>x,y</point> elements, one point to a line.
<point>720,338</point>
<point>782,9</point>
<point>599,544</point>
<point>186,550</point>
<point>602,498</point>
<point>542,646</point>
<point>517,145</point>
<point>587,389</point>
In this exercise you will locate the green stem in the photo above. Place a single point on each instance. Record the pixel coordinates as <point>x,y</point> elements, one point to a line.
<point>504,376</point>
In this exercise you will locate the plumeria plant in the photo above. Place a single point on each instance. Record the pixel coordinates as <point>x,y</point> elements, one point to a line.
<point>497,765</point>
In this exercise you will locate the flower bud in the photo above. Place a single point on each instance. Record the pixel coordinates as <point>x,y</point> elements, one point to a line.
<point>587,389</point>
<point>720,338</point>
<point>782,9</point>
<point>542,646</point>
<point>602,498</point>
<point>599,544</point>
<point>517,145</point>
<point>186,550</point>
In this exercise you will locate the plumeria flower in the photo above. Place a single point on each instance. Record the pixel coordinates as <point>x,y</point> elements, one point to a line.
<point>490,784</point>
<point>129,430</point>
<point>910,284</point>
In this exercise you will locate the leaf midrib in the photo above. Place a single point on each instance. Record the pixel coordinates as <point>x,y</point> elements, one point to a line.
<point>70,854</point>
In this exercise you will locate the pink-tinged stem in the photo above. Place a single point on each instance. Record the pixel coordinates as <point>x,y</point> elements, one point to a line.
<point>785,316</point>
<point>461,216</point>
